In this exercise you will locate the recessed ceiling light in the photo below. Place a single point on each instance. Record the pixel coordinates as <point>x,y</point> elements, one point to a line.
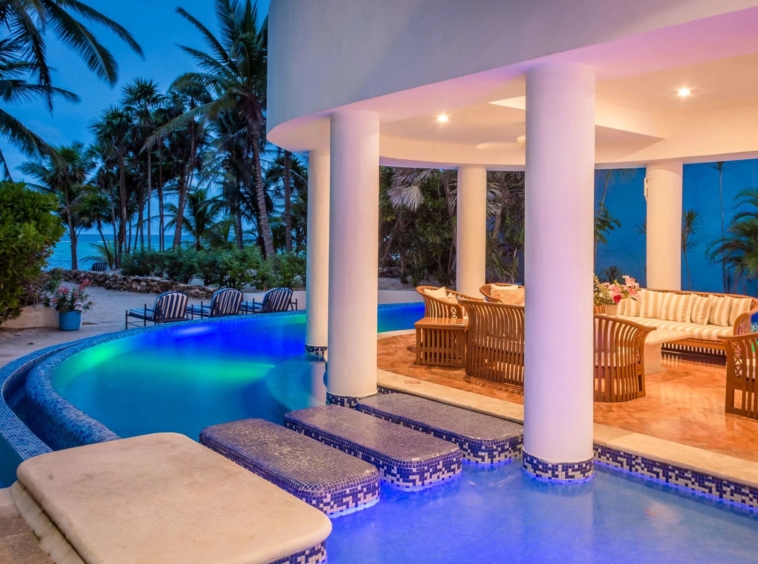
<point>442,118</point>
<point>683,92</point>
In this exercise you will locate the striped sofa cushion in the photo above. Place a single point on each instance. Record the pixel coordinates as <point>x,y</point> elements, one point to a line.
<point>720,306</point>
<point>739,306</point>
<point>675,307</point>
<point>692,330</point>
<point>651,304</point>
<point>701,309</point>
<point>631,307</point>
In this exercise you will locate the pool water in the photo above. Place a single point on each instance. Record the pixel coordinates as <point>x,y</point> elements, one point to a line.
<point>184,378</point>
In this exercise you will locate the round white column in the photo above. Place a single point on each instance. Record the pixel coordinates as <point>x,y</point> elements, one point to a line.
<point>471,242</point>
<point>663,188</point>
<point>353,255</point>
<point>560,157</point>
<point>317,265</point>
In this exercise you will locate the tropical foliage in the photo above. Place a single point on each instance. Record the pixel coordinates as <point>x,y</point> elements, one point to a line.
<point>738,249</point>
<point>29,229</point>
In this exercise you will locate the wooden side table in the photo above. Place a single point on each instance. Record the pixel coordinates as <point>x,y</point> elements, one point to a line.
<point>441,341</point>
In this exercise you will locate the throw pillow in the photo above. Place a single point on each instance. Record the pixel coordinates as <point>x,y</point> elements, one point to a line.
<point>630,307</point>
<point>675,307</point>
<point>651,304</point>
<point>739,306</point>
<point>439,293</point>
<point>701,309</point>
<point>510,297</point>
<point>720,306</point>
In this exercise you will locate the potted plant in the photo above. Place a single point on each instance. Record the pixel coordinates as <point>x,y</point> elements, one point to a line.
<point>70,303</point>
<point>608,295</point>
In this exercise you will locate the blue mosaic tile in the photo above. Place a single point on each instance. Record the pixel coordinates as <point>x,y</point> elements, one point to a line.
<point>691,480</point>
<point>406,459</point>
<point>315,351</point>
<point>565,472</point>
<point>323,477</point>
<point>483,439</point>
<point>314,555</point>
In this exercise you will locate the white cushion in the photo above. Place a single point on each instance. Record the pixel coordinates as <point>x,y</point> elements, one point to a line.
<point>651,304</point>
<point>504,287</point>
<point>739,306</point>
<point>675,307</point>
<point>439,293</point>
<point>693,330</point>
<point>631,307</point>
<point>720,307</point>
<point>701,309</point>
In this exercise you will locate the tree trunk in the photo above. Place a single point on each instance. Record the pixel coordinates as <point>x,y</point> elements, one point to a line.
<point>607,181</point>
<point>238,228</point>
<point>122,195</point>
<point>263,225</point>
<point>287,203</point>
<point>161,215</point>
<point>183,188</point>
<point>149,197</point>
<point>108,256</point>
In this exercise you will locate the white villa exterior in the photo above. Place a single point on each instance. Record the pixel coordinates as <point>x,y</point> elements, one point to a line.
<point>457,84</point>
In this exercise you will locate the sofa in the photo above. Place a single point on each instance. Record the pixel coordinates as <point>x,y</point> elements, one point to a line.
<point>698,319</point>
<point>442,302</point>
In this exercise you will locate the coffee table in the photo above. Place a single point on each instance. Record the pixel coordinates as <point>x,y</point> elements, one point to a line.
<point>653,342</point>
<point>441,341</point>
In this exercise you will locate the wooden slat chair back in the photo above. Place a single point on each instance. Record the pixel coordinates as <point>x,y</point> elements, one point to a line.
<point>741,372</point>
<point>619,359</point>
<point>495,341</point>
<point>435,307</point>
<point>278,299</point>
<point>226,301</point>
<point>99,267</point>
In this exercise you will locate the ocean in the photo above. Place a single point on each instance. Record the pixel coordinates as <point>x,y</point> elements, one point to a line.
<point>61,257</point>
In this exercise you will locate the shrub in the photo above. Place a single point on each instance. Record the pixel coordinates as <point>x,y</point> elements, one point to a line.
<point>208,266</point>
<point>241,267</point>
<point>288,270</point>
<point>180,265</point>
<point>144,263</point>
<point>29,228</point>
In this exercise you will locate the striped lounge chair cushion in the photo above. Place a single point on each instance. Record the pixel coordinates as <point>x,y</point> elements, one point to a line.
<point>170,305</point>
<point>226,302</point>
<point>693,331</point>
<point>142,313</point>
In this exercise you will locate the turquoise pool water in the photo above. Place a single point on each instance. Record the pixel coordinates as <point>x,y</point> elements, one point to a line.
<point>185,378</point>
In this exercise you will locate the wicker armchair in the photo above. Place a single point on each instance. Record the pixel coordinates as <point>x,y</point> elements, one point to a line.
<point>619,359</point>
<point>486,291</point>
<point>495,342</point>
<point>741,371</point>
<point>435,307</point>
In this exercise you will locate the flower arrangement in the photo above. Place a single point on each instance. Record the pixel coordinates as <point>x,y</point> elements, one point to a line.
<point>72,299</point>
<point>611,293</point>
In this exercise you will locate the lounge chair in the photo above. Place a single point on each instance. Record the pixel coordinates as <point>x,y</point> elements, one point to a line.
<point>99,267</point>
<point>741,371</point>
<point>441,302</point>
<point>278,299</point>
<point>226,301</point>
<point>168,306</point>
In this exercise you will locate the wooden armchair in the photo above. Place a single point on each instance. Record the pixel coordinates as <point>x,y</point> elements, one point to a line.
<point>518,297</point>
<point>495,341</point>
<point>619,359</point>
<point>436,307</point>
<point>741,371</point>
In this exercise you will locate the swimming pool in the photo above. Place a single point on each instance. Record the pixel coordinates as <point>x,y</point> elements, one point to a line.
<point>183,378</point>
<point>186,377</point>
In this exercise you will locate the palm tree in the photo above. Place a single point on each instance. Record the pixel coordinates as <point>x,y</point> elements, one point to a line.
<point>739,248</point>
<point>690,225</point>
<point>235,72</point>
<point>285,175</point>
<point>112,131</point>
<point>24,52</point>
<point>602,215</point>
<point>141,98</point>
<point>201,216</point>
<point>65,176</point>
<point>722,167</point>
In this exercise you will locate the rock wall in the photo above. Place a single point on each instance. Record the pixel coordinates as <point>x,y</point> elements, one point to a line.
<point>140,284</point>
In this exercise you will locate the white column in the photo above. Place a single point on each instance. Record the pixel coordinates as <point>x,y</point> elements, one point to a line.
<point>471,243</point>
<point>353,254</point>
<point>560,156</point>
<point>663,190</point>
<point>317,265</point>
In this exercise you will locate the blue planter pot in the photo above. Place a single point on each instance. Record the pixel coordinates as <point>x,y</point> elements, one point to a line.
<point>70,320</point>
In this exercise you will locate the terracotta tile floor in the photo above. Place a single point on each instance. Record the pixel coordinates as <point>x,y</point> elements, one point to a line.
<point>684,404</point>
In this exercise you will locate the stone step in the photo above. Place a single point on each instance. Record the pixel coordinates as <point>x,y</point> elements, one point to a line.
<point>164,498</point>
<point>406,459</point>
<point>329,480</point>
<point>483,439</point>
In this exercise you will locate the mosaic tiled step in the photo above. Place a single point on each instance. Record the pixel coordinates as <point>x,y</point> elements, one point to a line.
<point>482,438</point>
<point>407,459</point>
<point>323,477</point>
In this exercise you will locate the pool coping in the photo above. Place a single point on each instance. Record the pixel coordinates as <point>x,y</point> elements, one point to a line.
<point>715,475</point>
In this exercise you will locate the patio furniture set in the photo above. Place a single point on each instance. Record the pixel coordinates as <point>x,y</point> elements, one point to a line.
<point>486,338</point>
<point>173,306</point>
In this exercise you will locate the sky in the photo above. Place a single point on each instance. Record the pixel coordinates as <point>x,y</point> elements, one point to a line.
<point>157,28</point>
